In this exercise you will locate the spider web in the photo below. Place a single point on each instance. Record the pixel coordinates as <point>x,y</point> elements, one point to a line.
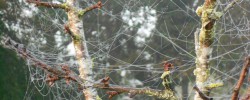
<point>129,39</point>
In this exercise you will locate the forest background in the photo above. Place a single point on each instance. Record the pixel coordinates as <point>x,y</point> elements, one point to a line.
<point>128,40</point>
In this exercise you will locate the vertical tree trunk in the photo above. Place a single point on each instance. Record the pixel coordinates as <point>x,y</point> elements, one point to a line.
<point>75,25</point>
<point>203,46</point>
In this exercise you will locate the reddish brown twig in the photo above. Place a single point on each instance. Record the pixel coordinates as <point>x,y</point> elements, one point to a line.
<point>112,94</point>
<point>67,76</point>
<point>48,5</point>
<point>51,79</point>
<point>105,81</point>
<point>241,79</point>
<point>98,5</point>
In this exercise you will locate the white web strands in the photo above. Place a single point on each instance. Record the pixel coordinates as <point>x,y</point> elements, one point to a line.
<point>129,39</point>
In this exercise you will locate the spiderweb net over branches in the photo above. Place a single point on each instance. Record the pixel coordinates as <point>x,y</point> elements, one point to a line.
<point>128,40</point>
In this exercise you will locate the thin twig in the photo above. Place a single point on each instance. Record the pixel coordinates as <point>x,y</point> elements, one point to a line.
<point>230,5</point>
<point>98,5</point>
<point>48,5</point>
<point>202,95</point>
<point>241,79</point>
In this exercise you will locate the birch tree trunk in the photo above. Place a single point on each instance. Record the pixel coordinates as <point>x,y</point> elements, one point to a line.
<point>203,47</point>
<point>75,25</point>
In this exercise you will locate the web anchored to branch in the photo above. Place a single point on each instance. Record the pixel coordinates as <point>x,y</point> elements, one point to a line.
<point>128,40</point>
<point>65,73</point>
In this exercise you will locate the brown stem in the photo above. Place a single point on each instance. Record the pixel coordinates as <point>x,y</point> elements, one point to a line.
<point>242,77</point>
<point>167,94</point>
<point>48,5</point>
<point>98,5</point>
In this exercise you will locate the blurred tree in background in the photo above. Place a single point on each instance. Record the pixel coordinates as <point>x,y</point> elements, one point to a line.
<point>14,72</point>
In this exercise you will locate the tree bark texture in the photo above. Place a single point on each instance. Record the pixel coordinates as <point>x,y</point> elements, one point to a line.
<point>75,25</point>
<point>203,46</point>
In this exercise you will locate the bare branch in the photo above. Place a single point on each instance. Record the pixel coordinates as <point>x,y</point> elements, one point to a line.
<point>167,94</point>
<point>49,5</point>
<point>98,5</point>
<point>242,77</point>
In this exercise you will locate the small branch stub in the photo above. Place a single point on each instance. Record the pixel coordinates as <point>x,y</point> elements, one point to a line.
<point>98,5</point>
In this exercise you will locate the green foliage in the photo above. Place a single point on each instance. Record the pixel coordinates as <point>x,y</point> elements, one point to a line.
<point>13,73</point>
<point>13,76</point>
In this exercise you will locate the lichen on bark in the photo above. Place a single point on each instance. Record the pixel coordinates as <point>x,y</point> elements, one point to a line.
<point>208,15</point>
